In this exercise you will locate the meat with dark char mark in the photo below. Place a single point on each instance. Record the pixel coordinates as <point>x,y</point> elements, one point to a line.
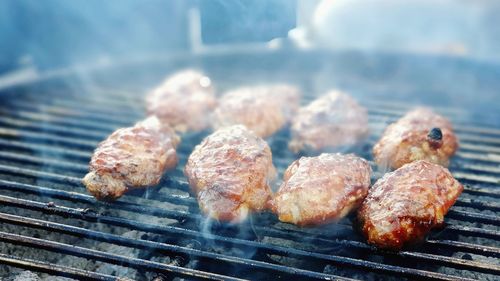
<point>419,135</point>
<point>322,189</point>
<point>134,157</point>
<point>404,205</point>
<point>332,121</point>
<point>230,171</point>
<point>184,101</point>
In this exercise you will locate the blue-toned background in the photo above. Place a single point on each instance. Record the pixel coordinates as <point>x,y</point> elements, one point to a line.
<point>55,33</point>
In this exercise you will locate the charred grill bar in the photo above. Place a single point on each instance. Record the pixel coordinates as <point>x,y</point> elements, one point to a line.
<point>46,140</point>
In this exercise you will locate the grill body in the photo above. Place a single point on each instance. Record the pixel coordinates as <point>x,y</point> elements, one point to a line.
<point>49,223</point>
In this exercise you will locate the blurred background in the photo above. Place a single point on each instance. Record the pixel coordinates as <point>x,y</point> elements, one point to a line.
<point>398,44</point>
<point>57,33</point>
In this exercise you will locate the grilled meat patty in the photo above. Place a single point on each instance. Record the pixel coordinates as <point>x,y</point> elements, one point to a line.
<point>184,101</point>
<point>230,172</point>
<point>133,157</point>
<point>318,190</point>
<point>262,109</point>
<point>332,121</point>
<point>404,205</point>
<point>419,135</point>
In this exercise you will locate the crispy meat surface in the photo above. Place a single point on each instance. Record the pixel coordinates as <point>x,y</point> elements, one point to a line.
<point>230,172</point>
<point>262,109</point>
<point>419,135</point>
<point>185,101</point>
<point>318,190</point>
<point>331,121</point>
<point>133,157</point>
<point>404,205</point>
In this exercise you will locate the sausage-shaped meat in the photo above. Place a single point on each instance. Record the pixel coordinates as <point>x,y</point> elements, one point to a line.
<point>404,205</point>
<point>334,120</point>
<point>230,172</point>
<point>184,101</point>
<point>263,109</point>
<point>134,157</point>
<point>419,135</point>
<point>318,190</point>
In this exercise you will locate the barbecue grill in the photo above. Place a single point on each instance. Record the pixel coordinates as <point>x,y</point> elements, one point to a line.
<point>50,224</point>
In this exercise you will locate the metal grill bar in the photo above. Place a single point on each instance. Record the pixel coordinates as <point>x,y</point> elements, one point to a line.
<point>481,148</point>
<point>109,258</point>
<point>22,123</point>
<point>84,198</point>
<point>79,111</point>
<point>82,168</point>
<point>171,198</point>
<point>86,156</point>
<point>55,129</point>
<point>180,215</point>
<point>159,211</point>
<point>64,152</point>
<point>77,182</point>
<point>379,126</point>
<point>459,122</point>
<point>43,137</point>
<point>466,247</point>
<point>111,115</point>
<point>51,123</point>
<point>273,249</point>
<point>386,109</point>
<point>44,118</point>
<point>77,197</point>
<point>77,123</point>
<point>490,192</point>
<point>477,168</point>
<point>77,141</point>
<point>466,176</point>
<point>29,159</point>
<point>110,96</point>
<point>58,270</point>
<point>172,249</point>
<point>479,232</point>
<point>477,217</point>
<point>478,204</point>
<point>490,157</point>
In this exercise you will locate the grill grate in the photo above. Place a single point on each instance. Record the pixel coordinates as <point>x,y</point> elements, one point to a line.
<point>46,141</point>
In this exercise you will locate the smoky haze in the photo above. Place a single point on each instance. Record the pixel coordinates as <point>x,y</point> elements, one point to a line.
<point>56,33</point>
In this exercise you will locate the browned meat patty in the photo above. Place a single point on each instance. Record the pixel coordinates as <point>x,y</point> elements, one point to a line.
<point>133,157</point>
<point>404,205</point>
<point>331,121</point>
<point>419,135</point>
<point>318,190</point>
<point>262,109</point>
<point>230,172</point>
<point>184,101</point>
